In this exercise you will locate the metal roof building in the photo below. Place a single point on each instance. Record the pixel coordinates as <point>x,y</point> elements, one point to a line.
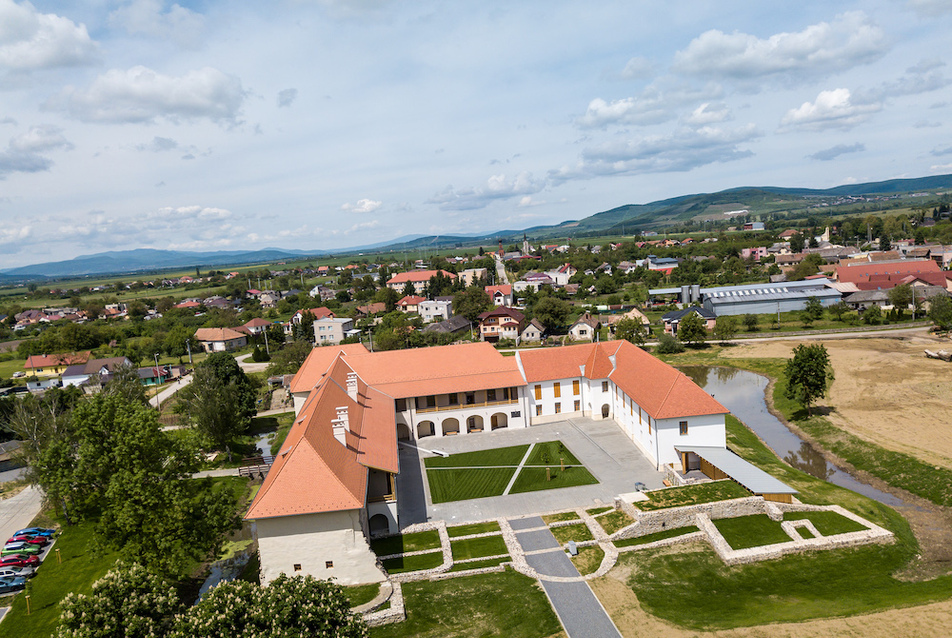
<point>718,462</point>
<point>757,299</point>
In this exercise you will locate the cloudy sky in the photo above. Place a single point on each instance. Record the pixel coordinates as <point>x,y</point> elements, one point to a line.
<point>321,124</point>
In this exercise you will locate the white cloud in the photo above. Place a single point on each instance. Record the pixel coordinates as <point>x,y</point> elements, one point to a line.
<point>497,187</point>
<point>832,109</point>
<point>655,104</point>
<point>25,152</point>
<point>287,97</point>
<point>941,168</point>
<point>33,40</point>
<point>159,144</point>
<point>636,68</point>
<point>143,95</point>
<point>849,40</point>
<point>840,149</point>
<point>684,150</point>
<point>146,17</point>
<point>11,236</point>
<point>362,226</point>
<point>709,113</point>
<point>930,8</point>
<point>362,206</point>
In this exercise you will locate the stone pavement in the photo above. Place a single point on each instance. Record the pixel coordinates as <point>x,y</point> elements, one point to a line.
<point>600,445</point>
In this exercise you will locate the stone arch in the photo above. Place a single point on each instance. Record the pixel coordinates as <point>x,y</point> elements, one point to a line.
<point>425,428</point>
<point>474,424</point>
<point>403,432</point>
<point>379,524</point>
<point>606,410</point>
<point>450,426</point>
<point>499,420</point>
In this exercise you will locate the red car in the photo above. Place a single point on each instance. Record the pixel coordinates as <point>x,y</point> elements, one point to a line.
<point>19,560</point>
<point>33,540</point>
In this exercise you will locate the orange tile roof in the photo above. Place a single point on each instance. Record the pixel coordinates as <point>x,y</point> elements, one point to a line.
<point>411,300</point>
<point>53,360</point>
<point>218,334</point>
<point>318,362</point>
<point>417,276</point>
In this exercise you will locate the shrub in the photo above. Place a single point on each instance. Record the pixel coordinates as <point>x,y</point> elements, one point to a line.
<point>668,344</point>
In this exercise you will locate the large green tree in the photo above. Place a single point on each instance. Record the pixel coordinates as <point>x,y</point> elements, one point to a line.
<point>471,302</point>
<point>725,328</point>
<point>220,400</point>
<point>940,312</point>
<point>290,358</point>
<point>552,313</point>
<point>691,329</point>
<point>901,297</point>
<point>631,330</point>
<point>125,382</point>
<point>809,374</point>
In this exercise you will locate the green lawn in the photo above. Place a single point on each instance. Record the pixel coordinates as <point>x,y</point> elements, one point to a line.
<point>657,536</point>
<point>493,457</point>
<point>479,564</point>
<point>533,479</point>
<point>81,567</point>
<point>498,604</point>
<point>827,523</point>
<point>588,559</point>
<point>692,495</point>
<point>751,531</point>
<point>479,547</point>
<point>561,516</point>
<point>577,533</point>
<point>474,528</point>
<point>413,563</point>
<point>613,522</point>
<point>551,453</point>
<point>595,511</point>
<point>403,543</point>
<point>465,484</point>
<point>361,594</point>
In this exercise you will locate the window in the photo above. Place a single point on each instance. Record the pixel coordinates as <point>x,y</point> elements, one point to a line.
<point>328,564</point>
<point>431,401</point>
<point>604,386</point>
<point>538,410</point>
<point>401,405</point>
<point>684,427</point>
<point>470,398</point>
<point>558,408</point>
<point>297,567</point>
<point>538,393</point>
<point>649,426</point>
<point>576,387</point>
<point>578,405</point>
<point>557,389</point>
<point>453,399</point>
<point>490,395</point>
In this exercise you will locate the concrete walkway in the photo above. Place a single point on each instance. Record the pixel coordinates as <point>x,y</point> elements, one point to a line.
<point>579,611</point>
<point>17,511</point>
<point>169,390</point>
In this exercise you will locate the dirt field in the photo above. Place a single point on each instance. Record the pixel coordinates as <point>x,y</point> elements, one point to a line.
<point>622,605</point>
<point>885,391</point>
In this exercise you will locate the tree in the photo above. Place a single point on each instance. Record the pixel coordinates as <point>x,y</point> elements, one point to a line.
<point>809,374</point>
<point>288,606</point>
<point>725,328</point>
<point>669,344</point>
<point>940,312</point>
<point>219,401</point>
<point>471,302</point>
<point>552,313</point>
<point>631,330</point>
<point>290,358</point>
<point>813,309</point>
<point>128,602</point>
<point>126,384</point>
<point>750,322</point>
<point>691,329</point>
<point>884,243</point>
<point>838,309</point>
<point>796,243</point>
<point>901,297</point>
<point>409,289</point>
<point>873,316</point>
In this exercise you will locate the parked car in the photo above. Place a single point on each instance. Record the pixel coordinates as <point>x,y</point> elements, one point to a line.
<point>36,531</point>
<point>8,585</point>
<point>16,572</point>
<point>20,560</point>
<point>19,374</point>
<point>20,548</point>
<point>42,541</point>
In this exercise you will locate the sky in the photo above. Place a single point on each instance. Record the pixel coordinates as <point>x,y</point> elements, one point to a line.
<point>325,124</point>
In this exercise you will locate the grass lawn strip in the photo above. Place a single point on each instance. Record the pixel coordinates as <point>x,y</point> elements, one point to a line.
<point>560,517</point>
<point>463,484</point>
<point>533,479</point>
<point>588,559</point>
<point>495,457</point>
<point>692,495</point>
<point>403,543</point>
<point>473,529</point>
<point>552,453</point>
<point>598,511</point>
<point>518,469</point>
<point>480,563</point>
<point>751,531</point>
<point>614,521</point>
<point>827,523</point>
<point>472,607</point>
<point>361,594</point>
<point>479,547</point>
<point>657,536</point>
<point>578,533</point>
<point>403,564</point>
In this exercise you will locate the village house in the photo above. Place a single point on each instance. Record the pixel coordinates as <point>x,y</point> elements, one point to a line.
<point>410,303</point>
<point>500,323</point>
<point>501,295</point>
<point>220,339</point>
<point>54,364</point>
<point>673,318</point>
<point>439,309</point>
<point>585,328</point>
<point>419,279</point>
<point>534,331</point>
<point>333,330</point>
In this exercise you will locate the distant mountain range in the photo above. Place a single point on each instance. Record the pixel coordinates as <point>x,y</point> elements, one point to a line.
<point>623,219</point>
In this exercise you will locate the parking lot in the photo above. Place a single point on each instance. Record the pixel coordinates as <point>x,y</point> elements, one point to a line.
<point>600,445</point>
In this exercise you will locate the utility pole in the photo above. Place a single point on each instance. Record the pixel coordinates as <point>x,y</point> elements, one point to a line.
<point>158,395</point>
<point>188,346</point>
<point>266,347</point>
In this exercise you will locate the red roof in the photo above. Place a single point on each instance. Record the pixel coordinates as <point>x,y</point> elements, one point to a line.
<point>417,276</point>
<point>411,300</point>
<point>53,360</point>
<point>319,313</point>
<point>505,289</point>
<point>884,275</point>
<point>257,322</point>
<point>311,373</point>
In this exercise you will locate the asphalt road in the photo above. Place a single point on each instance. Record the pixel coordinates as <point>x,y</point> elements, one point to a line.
<point>17,511</point>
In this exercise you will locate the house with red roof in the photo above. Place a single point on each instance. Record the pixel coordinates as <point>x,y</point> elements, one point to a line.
<point>48,365</point>
<point>410,303</point>
<point>501,323</point>
<point>221,339</point>
<point>501,295</point>
<point>419,279</point>
<point>883,275</point>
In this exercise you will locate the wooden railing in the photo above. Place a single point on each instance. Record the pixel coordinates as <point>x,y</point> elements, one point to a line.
<point>460,406</point>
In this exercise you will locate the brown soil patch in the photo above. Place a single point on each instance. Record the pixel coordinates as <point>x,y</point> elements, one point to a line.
<point>886,390</point>
<point>633,622</point>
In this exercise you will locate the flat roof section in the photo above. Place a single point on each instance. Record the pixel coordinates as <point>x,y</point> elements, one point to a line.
<point>748,475</point>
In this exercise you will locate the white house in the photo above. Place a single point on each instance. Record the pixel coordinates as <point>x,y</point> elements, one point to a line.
<point>333,330</point>
<point>435,310</point>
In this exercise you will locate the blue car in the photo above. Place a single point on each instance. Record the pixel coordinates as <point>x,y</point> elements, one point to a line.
<point>36,531</point>
<point>8,585</point>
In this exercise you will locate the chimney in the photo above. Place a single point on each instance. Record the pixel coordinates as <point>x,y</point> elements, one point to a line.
<point>341,425</point>
<point>352,385</point>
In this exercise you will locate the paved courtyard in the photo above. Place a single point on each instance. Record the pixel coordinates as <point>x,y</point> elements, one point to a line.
<point>600,445</point>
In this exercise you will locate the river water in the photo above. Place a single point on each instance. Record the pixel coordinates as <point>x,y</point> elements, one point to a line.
<point>743,393</point>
